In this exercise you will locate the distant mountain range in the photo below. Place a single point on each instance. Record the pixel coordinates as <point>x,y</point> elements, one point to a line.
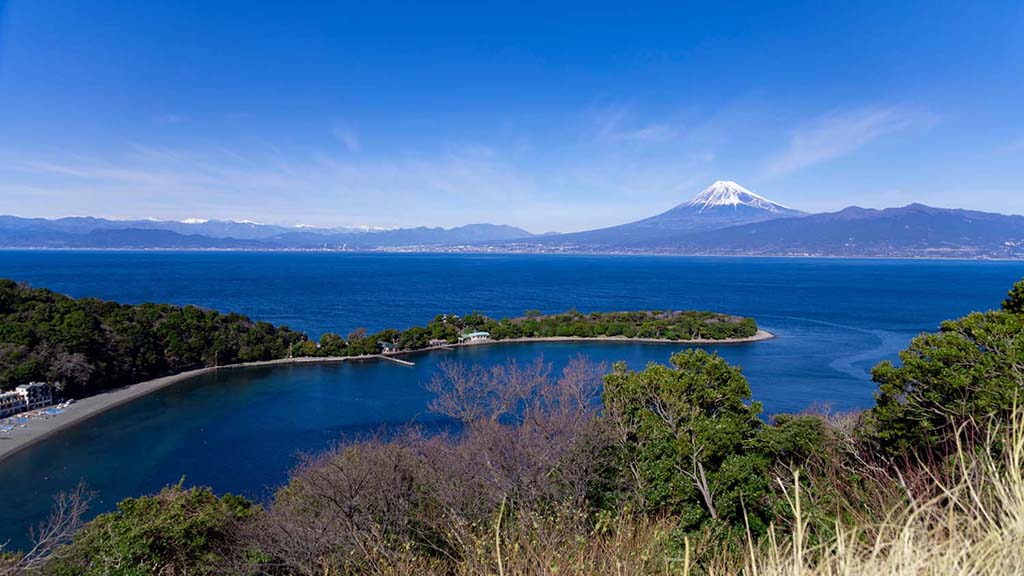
<point>723,219</point>
<point>727,219</point>
<point>100,233</point>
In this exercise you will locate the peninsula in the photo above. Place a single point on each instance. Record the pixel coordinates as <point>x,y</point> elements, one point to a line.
<point>104,354</point>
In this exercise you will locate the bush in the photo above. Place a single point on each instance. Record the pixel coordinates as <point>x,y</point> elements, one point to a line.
<point>178,531</point>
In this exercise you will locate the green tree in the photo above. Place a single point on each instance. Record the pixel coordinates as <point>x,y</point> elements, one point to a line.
<point>687,436</point>
<point>970,372</point>
<point>1014,302</point>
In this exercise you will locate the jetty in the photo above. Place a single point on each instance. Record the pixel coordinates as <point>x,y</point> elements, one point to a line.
<point>395,360</point>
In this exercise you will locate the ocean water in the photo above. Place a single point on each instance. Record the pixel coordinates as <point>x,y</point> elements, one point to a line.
<point>242,430</point>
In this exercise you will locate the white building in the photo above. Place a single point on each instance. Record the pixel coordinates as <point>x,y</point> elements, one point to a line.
<point>25,397</point>
<point>474,337</point>
<point>11,402</point>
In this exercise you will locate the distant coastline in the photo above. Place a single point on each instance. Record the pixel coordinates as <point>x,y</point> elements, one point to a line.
<point>724,219</point>
<point>86,408</point>
<point>476,251</point>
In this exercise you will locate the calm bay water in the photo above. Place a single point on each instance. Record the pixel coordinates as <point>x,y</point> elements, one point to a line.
<point>240,430</point>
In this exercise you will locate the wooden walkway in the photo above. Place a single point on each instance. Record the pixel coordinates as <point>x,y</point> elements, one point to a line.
<point>395,360</point>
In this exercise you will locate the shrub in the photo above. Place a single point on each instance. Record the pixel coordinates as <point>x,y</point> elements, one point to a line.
<point>178,531</point>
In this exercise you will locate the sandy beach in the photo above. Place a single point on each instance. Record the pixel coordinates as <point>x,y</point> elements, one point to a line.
<point>760,336</point>
<point>39,428</point>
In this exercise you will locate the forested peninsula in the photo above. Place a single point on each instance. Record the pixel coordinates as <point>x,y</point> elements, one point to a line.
<point>88,345</point>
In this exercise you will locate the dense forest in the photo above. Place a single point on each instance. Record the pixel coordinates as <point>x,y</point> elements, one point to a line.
<point>676,472</point>
<point>669,325</point>
<point>87,344</point>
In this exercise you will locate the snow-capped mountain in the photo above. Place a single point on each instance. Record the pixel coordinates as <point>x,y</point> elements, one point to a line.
<point>728,194</point>
<point>727,219</point>
<point>720,205</point>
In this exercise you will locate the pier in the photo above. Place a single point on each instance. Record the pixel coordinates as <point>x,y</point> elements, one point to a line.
<point>395,360</point>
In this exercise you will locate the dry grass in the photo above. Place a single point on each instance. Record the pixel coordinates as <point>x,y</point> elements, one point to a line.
<point>973,525</point>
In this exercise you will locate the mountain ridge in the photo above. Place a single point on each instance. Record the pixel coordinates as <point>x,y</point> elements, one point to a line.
<point>723,219</point>
<point>91,232</point>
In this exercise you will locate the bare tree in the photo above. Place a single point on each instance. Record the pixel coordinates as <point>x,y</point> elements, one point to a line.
<point>58,529</point>
<point>474,394</point>
<point>528,446</point>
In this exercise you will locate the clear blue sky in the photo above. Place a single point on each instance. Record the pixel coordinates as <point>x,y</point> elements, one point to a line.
<point>584,115</point>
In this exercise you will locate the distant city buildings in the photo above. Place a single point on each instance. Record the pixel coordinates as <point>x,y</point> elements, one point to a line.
<point>25,397</point>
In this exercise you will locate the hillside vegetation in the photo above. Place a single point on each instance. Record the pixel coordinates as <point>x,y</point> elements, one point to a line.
<point>87,344</point>
<point>676,472</point>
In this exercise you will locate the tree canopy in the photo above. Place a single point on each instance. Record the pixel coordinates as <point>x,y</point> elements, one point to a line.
<point>969,372</point>
<point>89,344</point>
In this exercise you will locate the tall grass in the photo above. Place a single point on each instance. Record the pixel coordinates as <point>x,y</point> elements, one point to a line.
<point>971,524</point>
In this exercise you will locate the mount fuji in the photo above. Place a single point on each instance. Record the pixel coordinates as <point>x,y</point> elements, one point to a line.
<point>721,205</point>
<point>727,219</point>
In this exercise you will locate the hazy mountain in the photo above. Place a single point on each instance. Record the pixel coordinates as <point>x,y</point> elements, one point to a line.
<point>243,230</point>
<point>724,218</point>
<point>87,232</point>
<point>422,236</point>
<point>913,230</point>
<point>720,205</point>
<point>728,219</point>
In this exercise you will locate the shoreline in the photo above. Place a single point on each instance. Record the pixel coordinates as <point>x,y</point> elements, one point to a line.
<point>760,336</point>
<point>918,257</point>
<point>85,408</point>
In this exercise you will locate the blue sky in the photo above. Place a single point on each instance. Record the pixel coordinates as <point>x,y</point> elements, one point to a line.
<point>551,118</point>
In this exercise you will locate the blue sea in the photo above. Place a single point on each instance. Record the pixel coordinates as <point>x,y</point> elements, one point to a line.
<point>241,431</point>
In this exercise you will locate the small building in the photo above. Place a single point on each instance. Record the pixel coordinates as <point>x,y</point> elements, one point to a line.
<point>25,397</point>
<point>388,347</point>
<point>12,402</point>
<point>438,342</point>
<point>474,337</point>
<point>37,394</point>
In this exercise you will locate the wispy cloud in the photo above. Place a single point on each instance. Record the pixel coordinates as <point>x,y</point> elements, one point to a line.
<point>347,136</point>
<point>617,124</point>
<point>321,188</point>
<point>621,167</point>
<point>835,135</point>
<point>454,183</point>
<point>170,119</point>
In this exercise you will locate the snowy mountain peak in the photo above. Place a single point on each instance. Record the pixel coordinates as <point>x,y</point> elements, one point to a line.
<point>728,193</point>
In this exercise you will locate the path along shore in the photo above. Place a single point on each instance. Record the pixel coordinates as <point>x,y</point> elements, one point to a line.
<point>39,428</point>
